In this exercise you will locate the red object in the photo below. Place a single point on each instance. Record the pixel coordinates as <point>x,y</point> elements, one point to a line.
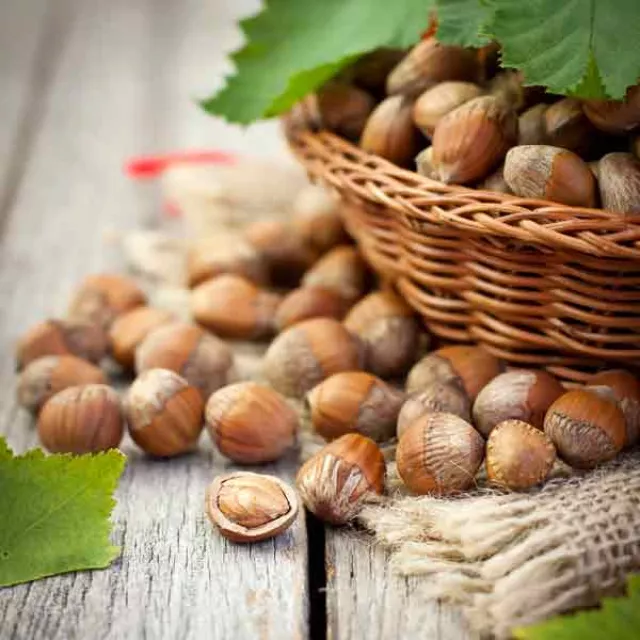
<point>431,29</point>
<point>151,166</point>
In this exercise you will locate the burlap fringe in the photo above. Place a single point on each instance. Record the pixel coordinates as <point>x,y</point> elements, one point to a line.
<point>510,560</point>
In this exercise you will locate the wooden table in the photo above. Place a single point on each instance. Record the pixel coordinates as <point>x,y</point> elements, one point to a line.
<point>83,85</point>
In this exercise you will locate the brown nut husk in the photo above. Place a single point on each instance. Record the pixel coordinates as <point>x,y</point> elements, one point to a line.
<point>470,368</point>
<point>101,298</point>
<point>164,413</point>
<point>432,105</point>
<point>354,402</point>
<point>618,117</point>
<point>519,456</point>
<point>586,428</point>
<point>515,395</point>
<point>248,507</point>
<point>307,353</point>
<point>551,173</point>
<point>82,419</point>
<point>508,86</point>
<point>619,182</point>
<point>250,423</point>
<point>439,397</point>
<point>343,108</point>
<point>626,388</point>
<point>532,125</point>
<point>429,63</point>
<point>62,337</point>
<point>46,376</point>
<point>204,361</point>
<point>336,482</point>
<point>566,126</point>
<point>309,302</point>
<point>130,329</point>
<point>390,132</point>
<point>341,270</point>
<point>387,327</point>
<point>233,307</point>
<point>472,139</point>
<point>439,453</point>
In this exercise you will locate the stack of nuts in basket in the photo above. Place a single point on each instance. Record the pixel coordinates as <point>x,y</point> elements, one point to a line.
<point>463,121</point>
<point>336,344</point>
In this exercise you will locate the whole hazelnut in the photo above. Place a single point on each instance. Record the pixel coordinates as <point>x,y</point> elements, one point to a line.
<point>309,302</point>
<point>130,329</point>
<point>470,368</point>
<point>248,507</point>
<point>586,428</point>
<point>307,353</point>
<point>250,423</point>
<point>164,413</point>
<point>389,331</point>
<point>519,455</point>
<point>233,307</point>
<point>619,183</point>
<point>439,453</point>
<point>338,480</point>
<point>341,270</point>
<point>62,337</point>
<point>532,126</point>
<point>354,401</point>
<point>83,419</point>
<point>438,397</point>
<point>204,361</point>
<point>567,126</point>
<point>618,117</point>
<point>46,376</point>
<point>102,297</point>
<point>626,389</point>
<point>515,395</point>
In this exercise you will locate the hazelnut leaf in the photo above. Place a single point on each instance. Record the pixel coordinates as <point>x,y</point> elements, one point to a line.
<point>55,513</point>
<point>463,22</point>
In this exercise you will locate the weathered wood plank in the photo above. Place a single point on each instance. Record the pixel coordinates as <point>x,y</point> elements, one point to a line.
<point>175,579</point>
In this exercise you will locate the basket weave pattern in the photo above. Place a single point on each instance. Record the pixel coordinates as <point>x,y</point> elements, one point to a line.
<point>536,283</point>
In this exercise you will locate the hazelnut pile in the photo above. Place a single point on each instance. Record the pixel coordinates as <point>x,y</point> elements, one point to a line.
<point>337,346</point>
<point>454,116</point>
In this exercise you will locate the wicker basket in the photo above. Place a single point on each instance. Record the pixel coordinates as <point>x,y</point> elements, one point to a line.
<point>536,283</point>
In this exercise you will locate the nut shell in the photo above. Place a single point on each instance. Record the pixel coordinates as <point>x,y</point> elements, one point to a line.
<point>619,182</point>
<point>248,507</point>
<point>250,423</point>
<point>338,480</point>
<point>618,117</point>
<point>82,419</point>
<point>307,353</point>
<point>309,302</point>
<point>439,453</point>
<point>343,108</point>
<point>566,126</point>
<point>354,401</point>
<point>496,182</point>
<point>424,164</point>
<point>164,413</point>
<point>532,126</point>
<point>316,218</point>
<point>519,455</point>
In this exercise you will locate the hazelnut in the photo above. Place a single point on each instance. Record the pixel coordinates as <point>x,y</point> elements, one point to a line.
<point>62,337</point>
<point>131,328</point>
<point>248,507</point>
<point>552,173</point>
<point>250,423</point>
<point>566,126</point>
<point>307,353</point>
<point>496,182</point>
<point>438,397</point>
<point>508,86</point>
<point>626,389</point>
<point>519,455</point>
<point>204,361</point>
<point>439,453</point>
<point>83,419</point>
<point>102,297</point>
<point>424,164</point>
<point>309,302</point>
<point>225,253</point>
<point>338,480</point>
<point>354,401</point>
<point>370,71</point>
<point>619,182</point>
<point>389,331</point>
<point>586,428</point>
<point>233,307</point>
<point>44,377</point>
<point>515,395</point>
<point>164,413</point>
<point>532,125</point>
<point>341,270</point>
<point>618,117</point>
<point>469,368</point>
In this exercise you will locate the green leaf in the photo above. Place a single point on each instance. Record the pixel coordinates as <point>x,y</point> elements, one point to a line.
<point>55,513</point>
<point>616,619</point>
<point>293,47</point>
<point>566,45</point>
<point>464,22</point>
